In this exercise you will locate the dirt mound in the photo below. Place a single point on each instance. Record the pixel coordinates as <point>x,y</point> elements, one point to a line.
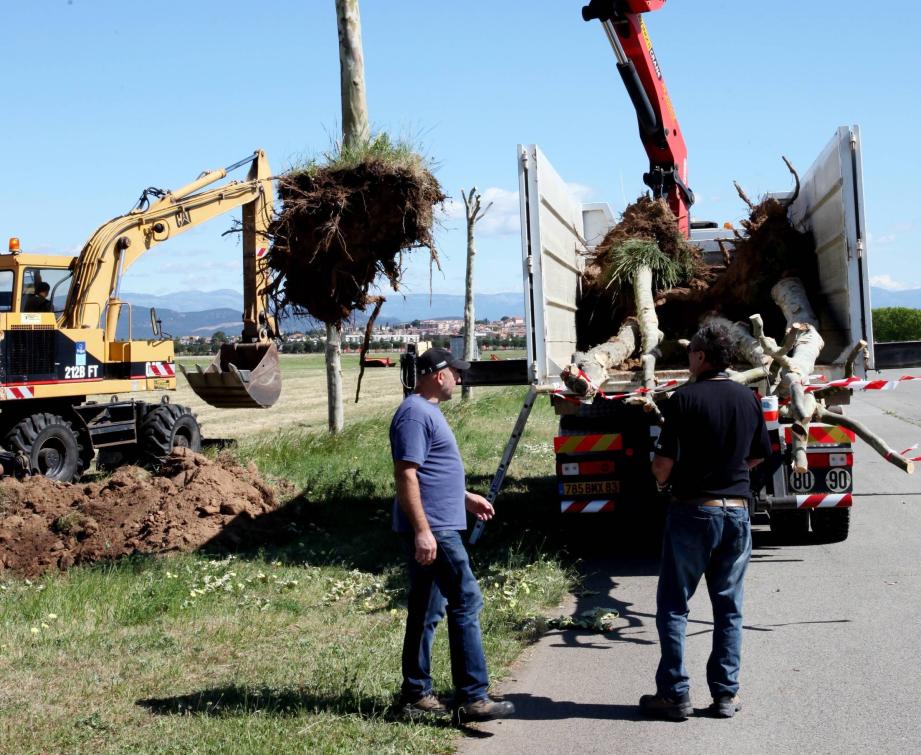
<point>188,502</point>
<point>339,228</point>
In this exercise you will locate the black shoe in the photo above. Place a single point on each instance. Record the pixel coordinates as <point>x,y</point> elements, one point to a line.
<point>725,706</point>
<point>427,705</point>
<point>672,708</point>
<point>484,709</point>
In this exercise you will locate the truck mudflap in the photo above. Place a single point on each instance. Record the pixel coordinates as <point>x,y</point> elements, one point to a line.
<point>244,376</point>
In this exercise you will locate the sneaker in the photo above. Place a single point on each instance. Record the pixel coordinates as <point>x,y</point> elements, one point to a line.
<point>672,708</point>
<point>725,706</point>
<point>427,705</point>
<point>484,709</point>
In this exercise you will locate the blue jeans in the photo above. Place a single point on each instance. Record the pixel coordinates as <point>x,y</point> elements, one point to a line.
<point>445,586</point>
<point>702,540</point>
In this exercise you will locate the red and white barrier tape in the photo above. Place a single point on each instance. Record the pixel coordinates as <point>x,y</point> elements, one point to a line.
<point>853,383</point>
<point>662,388</point>
<point>856,384</point>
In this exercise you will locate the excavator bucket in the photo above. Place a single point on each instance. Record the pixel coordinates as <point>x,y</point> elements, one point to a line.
<point>242,375</point>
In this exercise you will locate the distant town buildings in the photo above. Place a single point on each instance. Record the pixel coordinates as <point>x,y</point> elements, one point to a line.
<point>507,332</point>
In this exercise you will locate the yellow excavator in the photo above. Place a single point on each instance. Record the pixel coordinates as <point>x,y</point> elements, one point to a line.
<point>60,339</point>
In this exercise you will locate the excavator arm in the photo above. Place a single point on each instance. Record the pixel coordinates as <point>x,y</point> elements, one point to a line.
<point>118,244</point>
<point>623,25</point>
<point>242,375</point>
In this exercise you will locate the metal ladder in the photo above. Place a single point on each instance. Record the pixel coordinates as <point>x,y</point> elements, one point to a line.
<point>499,478</point>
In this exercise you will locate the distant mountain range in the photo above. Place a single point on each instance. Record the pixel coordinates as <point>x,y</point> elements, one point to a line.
<point>883,297</point>
<point>202,313</point>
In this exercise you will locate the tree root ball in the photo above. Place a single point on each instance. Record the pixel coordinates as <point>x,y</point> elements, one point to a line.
<point>339,228</point>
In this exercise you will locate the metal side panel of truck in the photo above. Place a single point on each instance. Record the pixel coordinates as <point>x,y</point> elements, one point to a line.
<point>609,466</point>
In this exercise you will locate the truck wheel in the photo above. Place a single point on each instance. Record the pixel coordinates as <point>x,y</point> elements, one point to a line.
<point>790,526</point>
<point>831,525</point>
<point>169,426</point>
<point>53,448</point>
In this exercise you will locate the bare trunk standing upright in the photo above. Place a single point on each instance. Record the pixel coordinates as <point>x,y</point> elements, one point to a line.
<point>354,131</point>
<point>474,214</point>
<point>352,74</point>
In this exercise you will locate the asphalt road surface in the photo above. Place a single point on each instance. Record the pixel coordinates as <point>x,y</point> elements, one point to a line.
<point>831,659</point>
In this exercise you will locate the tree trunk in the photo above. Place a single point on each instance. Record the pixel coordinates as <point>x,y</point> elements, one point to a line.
<point>334,378</point>
<point>355,130</point>
<point>355,127</point>
<point>589,369</point>
<point>474,214</point>
<point>650,335</point>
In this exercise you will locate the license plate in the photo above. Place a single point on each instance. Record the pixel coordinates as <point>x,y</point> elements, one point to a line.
<point>595,487</point>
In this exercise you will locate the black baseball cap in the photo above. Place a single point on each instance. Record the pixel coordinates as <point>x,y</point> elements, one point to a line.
<point>437,359</point>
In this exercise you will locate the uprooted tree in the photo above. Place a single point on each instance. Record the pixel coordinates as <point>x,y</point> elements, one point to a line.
<point>655,291</point>
<point>346,221</point>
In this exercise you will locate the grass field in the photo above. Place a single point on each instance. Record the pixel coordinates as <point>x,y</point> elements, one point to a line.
<point>303,396</point>
<point>292,646</point>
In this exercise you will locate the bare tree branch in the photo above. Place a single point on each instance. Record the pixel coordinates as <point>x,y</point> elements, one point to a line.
<point>743,196</point>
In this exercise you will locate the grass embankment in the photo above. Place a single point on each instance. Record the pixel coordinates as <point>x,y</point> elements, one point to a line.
<point>294,648</point>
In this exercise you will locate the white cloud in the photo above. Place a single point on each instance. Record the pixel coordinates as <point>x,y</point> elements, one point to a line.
<point>504,216</point>
<point>889,283</point>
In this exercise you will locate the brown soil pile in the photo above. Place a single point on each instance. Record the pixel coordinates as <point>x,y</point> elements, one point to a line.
<point>604,307</point>
<point>340,228</point>
<point>771,250</point>
<point>186,504</point>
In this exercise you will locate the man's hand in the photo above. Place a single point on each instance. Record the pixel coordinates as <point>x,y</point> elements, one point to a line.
<point>479,506</point>
<point>426,547</point>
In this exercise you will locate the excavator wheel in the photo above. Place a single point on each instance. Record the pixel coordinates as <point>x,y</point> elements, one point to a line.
<point>54,449</point>
<point>168,426</point>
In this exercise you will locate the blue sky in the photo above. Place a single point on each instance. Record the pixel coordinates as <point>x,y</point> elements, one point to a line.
<point>104,98</point>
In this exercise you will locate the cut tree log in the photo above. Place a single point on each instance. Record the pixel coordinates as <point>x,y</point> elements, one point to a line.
<point>822,414</point>
<point>589,369</point>
<point>650,335</point>
<point>744,343</point>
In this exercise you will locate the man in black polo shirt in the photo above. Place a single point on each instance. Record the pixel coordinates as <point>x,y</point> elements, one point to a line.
<point>714,432</point>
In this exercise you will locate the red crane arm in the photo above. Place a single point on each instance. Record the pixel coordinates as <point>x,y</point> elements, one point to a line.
<point>637,64</point>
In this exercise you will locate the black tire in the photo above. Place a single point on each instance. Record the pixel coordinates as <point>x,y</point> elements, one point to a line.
<point>831,525</point>
<point>54,449</point>
<point>790,526</point>
<point>168,426</point>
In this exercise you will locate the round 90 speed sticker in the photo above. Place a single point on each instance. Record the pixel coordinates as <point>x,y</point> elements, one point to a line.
<point>838,480</point>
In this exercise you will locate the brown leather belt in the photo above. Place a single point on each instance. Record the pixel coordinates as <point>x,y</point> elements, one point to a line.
<point>726,503</point>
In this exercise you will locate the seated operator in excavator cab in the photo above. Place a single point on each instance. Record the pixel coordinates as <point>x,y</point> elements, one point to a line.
<point>38,301</point>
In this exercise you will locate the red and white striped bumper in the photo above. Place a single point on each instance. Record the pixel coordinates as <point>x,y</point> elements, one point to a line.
<point>161,369</point>
<point>824,501</point>
<point>586,507</point>
<point>20,391</point>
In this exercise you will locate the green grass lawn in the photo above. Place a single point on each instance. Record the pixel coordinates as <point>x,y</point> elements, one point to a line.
<point>294,644</point>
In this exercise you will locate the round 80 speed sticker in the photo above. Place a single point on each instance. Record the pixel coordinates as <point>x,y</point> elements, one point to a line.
<point>802,482</point>
<point>838,480</point>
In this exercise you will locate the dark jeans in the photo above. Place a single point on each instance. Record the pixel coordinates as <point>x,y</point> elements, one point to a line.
<point>702,540</point>
<point>447,583</point>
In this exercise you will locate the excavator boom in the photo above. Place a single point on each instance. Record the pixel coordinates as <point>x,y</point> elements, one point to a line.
<point>242,375</point>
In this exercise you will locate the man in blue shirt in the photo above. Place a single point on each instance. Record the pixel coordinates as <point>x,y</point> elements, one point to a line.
<point>430,513</point>
<point>714,432</point>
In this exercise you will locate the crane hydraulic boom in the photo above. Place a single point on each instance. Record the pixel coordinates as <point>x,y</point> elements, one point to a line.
<point>623,24</point>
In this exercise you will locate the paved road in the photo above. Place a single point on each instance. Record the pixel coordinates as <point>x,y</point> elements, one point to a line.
<point>831,651</point>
